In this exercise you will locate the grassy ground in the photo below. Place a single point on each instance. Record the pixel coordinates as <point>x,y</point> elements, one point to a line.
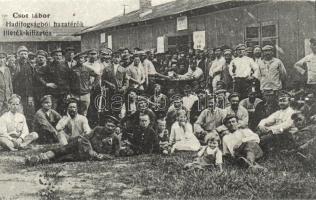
<point>153,176</point>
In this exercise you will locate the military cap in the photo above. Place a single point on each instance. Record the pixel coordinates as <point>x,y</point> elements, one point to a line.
<point>106,51</point>
<point>57,50</point>
<point>313,41</point>
<point>79,55</point>
<point>234,94</point>
<point>92,51</point>
<point>45,98</point>
<point>218,48</point>
<point>3,55</point>
<point>22,48</point>
<point>284,94</point>
<point>249,49</point>
<point>112,119</point>
<point>69,49</point>
<point>71,100</point>
<point>31,55</point>
<point>268,91</point>
<point>297,115</point>
<point>240,46</point>
<point>267,47</point>
<point>42,53</point>
<point>228,117</point>
<point>256,47</point>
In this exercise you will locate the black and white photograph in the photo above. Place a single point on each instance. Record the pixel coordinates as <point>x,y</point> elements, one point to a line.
<point>157,99</point>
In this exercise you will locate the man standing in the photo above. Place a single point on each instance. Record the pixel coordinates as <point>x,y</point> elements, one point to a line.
<point>6,89</point>
<point>80,85</point>
<point>23,84</point>
<point>225,75</point>
<point>217,66</point>
<point>69,57</point>
<point>307,67</point>
<point>243,69</point>
<point>39,81</point>
<point>135,73</point>
<point>271,71</point>
<point>72,125</point>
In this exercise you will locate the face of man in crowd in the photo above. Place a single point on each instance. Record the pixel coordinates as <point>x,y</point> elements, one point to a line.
<point>252,97</point>
<point>232,124</point>
<point>32,61</point>
<point>58,56</point>
<point>144,121</point>
<point>313,47</point>
<point>241,52</point>
<point>218,53</point>
<point>23,55</point>
<point>14,105</point>
<point>228,57</point>
<point>41,59</point>
<point>284,103</point>
<point>70,55</point>
<point>72,110</point>
<point>110,126</point>
<point>2,60</point>
<point>300,122</point>
<point>177,104</point>
<point>81,60</point>
<point>93,56</point>
<point>161,125</point>
<point>257,52</point>
<point>136,61</point>
<point>125,53</point>
<point>47,104</point>
<point>116,59</point>
<point>132,96</point>
<point>234,101</point>
<point>142,105</point>
<point>267,54</point>
<point>211,104</point>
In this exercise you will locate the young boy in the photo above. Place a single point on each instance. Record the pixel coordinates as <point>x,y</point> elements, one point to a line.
<point>163,136</point>
<point>144,139</point>
<point>208,155</point>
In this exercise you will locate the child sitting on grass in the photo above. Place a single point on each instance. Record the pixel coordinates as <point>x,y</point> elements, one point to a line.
<point>163,136</point>
<point>208,155</point>
<point>182,137</point>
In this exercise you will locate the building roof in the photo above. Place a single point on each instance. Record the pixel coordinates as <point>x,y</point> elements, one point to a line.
<point>163,10</point>
<point>56,34</point>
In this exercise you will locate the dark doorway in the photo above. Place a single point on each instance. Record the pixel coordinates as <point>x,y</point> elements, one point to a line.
<point>180,43</point>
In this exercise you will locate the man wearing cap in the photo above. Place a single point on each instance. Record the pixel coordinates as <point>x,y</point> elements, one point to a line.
<point>236,109</point>
<point>217,66</point>
<point>40,76</point>
<point>307,66</point>
<point>225,75</point>
<point>57,81</point>
<point>243,69</point>
<point>209,119</point>
<point>72,125</point>
<point>273,127</point>
<point>45,121</point>
<point>80,85</point>
<point>23,83</point>
<point>101,143</point>
<point>271,71</point>
<point>14,132</point>
<point>257,53</point>
<point>6,89</point>
<point>105,57</point>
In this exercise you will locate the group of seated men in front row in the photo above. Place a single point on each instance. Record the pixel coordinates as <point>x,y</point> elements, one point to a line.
<point>217,133</point>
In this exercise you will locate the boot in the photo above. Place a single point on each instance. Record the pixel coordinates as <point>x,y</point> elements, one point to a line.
<point>39,159</point>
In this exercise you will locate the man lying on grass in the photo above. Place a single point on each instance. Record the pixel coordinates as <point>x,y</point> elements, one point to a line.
<point>100,144</point>
<point>241,143</point>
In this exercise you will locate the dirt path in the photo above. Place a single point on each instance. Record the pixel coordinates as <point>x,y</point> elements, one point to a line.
<point>83,180</point>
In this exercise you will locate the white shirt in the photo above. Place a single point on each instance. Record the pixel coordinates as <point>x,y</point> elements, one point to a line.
<point>245,66</point>
<point>278,121</point>
<point>10,123</point>
<point>197,73</point>
<point>310,61</point>
<point>97,67</point>
<point>234,140</point>
<point>188,101</point>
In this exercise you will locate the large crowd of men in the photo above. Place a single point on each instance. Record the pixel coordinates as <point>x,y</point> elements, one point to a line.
<point>98,104</point>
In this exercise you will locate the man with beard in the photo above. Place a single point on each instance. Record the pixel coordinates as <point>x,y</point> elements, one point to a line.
<point>271,71</point>
<point>23,84</point>
<point>274,128</point>
<point>236,109</point>
<point>80,83</point>
<point>250,104</point>
<point>209,119</point>
<point>72,125</point>
<point>100,144</point>
<point>6,89</point>
<point>217,66</point>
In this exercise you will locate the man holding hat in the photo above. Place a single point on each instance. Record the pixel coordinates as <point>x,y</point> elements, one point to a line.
<point>6,89</point>
<point>307,66</point>
<point>23,83</point>
<point>100,144</point>
<point>271,71</point>
<point>243,69</point>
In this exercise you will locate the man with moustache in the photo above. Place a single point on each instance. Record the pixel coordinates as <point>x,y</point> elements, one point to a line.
<point>236,109</point>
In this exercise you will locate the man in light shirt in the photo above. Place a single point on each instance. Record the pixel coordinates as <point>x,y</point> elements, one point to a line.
<point>14,132</point>
<point>194,72</point>
<point>217,66</point>
<point>243,69</point>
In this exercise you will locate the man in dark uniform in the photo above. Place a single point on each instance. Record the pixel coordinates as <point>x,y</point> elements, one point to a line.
<point>69,57</point>
<point>100,144</point>
<point>39,85</point>
<point>23,84</point>
<point>57,81</point>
